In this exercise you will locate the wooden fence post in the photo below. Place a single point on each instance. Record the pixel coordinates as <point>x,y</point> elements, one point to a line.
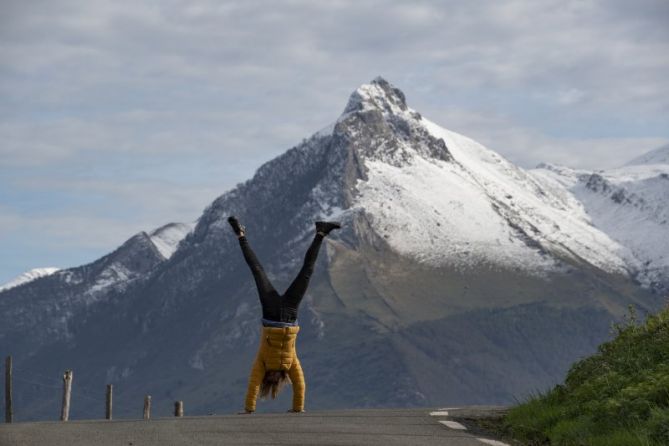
<point>147,407</point>
<point>108,409</point>
<point>67,391</point>
<point>179,409</point>
<point>9,411</point>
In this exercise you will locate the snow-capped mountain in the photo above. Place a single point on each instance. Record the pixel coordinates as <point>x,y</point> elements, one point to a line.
<point>631,205</point>
<point>28,276</point>
<point>457,278</point>
<point>468,205</point>
<point>657,156</point>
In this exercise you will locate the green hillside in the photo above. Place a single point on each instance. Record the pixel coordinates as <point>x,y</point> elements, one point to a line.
<point>617,397</point>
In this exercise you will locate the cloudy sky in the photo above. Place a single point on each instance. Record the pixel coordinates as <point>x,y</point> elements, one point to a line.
<point>121,116</point>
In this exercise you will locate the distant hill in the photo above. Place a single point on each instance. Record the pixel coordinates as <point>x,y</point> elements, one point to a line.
<point>657,156</point>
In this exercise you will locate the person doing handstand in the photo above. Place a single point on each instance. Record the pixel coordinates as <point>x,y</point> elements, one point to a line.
<point>276,361</point>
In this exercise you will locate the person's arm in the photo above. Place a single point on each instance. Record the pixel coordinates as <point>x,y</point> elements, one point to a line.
<point>255,379</point>
<point>297,379</point>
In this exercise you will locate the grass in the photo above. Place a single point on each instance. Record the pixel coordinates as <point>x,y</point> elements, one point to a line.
<point>617,397</point>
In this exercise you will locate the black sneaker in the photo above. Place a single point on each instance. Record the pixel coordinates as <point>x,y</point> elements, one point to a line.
<point>236,226</point>
<point>326,226</point>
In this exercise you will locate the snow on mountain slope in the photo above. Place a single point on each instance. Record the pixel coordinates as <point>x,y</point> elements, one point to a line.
<point>28,276</point>
<point>630,204</point>
<point>467,205</point>
<point>167,238</point>
<point>131,261</point>
<point>460,226</point>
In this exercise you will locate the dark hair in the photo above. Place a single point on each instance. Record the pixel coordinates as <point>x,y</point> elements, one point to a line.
<point>272,383</point>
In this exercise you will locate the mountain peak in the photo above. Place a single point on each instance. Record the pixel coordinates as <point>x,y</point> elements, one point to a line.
<point>167,237</point>
<point>657,156</point>
<point>378,94</point>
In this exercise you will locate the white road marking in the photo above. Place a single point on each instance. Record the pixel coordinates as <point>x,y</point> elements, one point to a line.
<point>453,425</point>
<point>492,442</point>
<point>441,413</point>
<point>448,408</point>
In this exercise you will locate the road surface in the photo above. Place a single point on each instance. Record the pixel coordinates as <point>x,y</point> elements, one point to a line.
<point>406,427</point>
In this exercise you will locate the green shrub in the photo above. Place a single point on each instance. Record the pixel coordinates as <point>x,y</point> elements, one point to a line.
<point>619,396</point>
<point>658,425</point>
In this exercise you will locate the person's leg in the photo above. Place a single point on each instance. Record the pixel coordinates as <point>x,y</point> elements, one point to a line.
<point>269,298</point>
<point>262,282</point>
<point>295,292</point>
<point>298,288</point>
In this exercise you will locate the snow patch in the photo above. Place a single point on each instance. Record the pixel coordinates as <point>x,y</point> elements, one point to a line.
<point>377,95</point>
<point>196,361</point>
<point>28,276</point>
<point>167,238</point>
<point>111,275</point>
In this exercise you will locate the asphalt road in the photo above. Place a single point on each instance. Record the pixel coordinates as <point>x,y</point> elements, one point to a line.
<point>406,427</point>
